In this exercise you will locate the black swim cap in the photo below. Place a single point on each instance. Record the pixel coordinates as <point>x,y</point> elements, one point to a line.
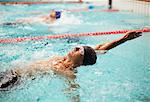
<point>89,56</point>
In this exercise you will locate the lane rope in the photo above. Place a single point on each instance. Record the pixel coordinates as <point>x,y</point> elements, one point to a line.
<point>68,10</point>
<point>42,2</point>
<point>16,40</point>
<point>92,10</point>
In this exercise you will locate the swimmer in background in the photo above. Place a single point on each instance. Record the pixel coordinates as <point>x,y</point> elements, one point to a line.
<point>65,65</point>
<point>51,18</point>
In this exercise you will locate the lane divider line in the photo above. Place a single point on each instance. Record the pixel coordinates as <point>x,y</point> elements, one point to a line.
<point>16,40</point>
<point>42,2</point>
<point>71,10</point>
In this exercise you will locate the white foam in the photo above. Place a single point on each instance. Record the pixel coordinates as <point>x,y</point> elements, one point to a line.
<point>21,62</point>
<point>67,18</point>
<point>39,54</point>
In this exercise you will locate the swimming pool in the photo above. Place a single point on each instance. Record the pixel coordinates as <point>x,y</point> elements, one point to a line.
<point>121,75</point>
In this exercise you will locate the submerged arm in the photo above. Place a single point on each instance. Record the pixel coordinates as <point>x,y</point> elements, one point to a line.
<point>109,45</point>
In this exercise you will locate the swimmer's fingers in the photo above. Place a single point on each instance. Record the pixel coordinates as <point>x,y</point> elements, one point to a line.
<point>138,33</point>
<point>132,34</point>
<point>8,79</point>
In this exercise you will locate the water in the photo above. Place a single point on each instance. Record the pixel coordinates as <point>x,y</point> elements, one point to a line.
<point>121,75</point>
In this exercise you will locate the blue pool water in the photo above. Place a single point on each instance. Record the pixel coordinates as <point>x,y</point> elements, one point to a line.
<point>121,75</point>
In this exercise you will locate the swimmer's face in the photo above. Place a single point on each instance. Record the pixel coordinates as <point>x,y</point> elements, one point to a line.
<point>52,14</point>
<point>76,55</point>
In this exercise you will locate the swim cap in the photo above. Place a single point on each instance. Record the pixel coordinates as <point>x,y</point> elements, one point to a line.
<point>91,7</point>
<point>58,14</point>
<point>89,56</point>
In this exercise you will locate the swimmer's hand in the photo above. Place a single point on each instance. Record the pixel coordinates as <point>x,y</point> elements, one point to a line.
<point>8,79</point>
<point>132,35</point>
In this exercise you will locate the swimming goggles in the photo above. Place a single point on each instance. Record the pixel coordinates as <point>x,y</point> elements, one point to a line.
<point>79,48</point>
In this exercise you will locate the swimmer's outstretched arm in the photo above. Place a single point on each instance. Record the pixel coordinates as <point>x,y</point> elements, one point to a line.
<point>128,36</point>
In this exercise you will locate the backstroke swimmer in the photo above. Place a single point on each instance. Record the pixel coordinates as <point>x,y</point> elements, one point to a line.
<point>50,19</point>
<point>65,65</point>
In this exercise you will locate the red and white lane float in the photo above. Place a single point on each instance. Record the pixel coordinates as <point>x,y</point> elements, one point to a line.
<point>16,40</point>
<point>41,2</point>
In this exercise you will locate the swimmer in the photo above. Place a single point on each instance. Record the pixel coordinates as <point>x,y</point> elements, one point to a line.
<point>51,18</point>
<point>65,65</point>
